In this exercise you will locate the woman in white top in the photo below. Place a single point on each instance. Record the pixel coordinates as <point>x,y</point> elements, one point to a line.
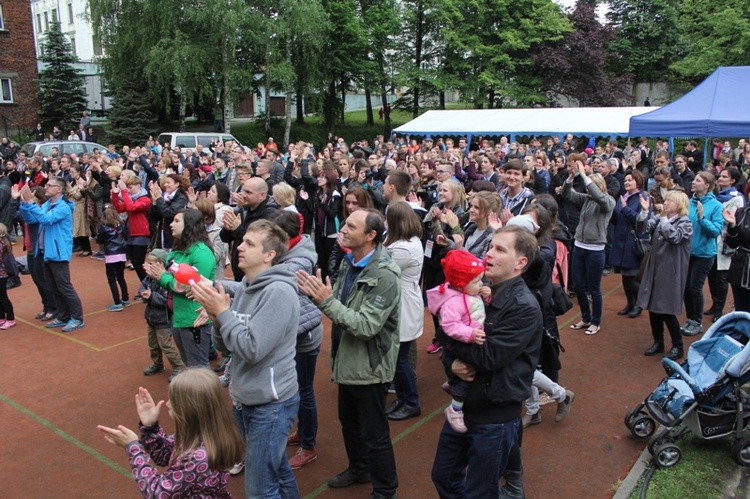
<point>404,241</point>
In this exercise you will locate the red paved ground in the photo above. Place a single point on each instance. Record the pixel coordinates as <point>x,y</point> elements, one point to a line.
<point>55,388</point>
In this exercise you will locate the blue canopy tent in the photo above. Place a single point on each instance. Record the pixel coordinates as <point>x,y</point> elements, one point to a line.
<point>717,107</point>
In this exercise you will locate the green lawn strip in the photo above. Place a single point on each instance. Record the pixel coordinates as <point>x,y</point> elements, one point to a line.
<point>702,472</point>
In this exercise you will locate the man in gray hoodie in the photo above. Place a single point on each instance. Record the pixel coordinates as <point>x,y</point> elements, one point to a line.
<point>260,329</point>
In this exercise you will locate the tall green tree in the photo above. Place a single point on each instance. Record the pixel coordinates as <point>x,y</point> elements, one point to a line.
<point>62,94</point>
<point>346,52</point>
<point>576,67</point>
<point>647,37</point>
<point>714,33</point>
<point>489,47</point>
<point>132,118</point>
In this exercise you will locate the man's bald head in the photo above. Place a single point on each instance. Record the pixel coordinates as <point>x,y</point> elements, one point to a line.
<point>255,191</point>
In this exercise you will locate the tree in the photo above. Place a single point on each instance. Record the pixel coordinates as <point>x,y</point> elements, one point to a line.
<point>714,33</point>
<point>647,35</point>
<point>576,66</point>
<point>132,118</point>
<point>489,47</point>
<point>62,94</point>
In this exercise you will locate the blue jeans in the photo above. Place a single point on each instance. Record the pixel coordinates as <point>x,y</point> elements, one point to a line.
<point>405,381</point>
<point>587,280</point>
<point>698,270</point>
<point>307,417</point>
<point>267,471</point>
<point>469,465</point>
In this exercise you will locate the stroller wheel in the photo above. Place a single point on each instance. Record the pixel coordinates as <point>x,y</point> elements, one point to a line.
<point>667,455</point>
<point>741,451</point>
<point>629,417</point>
<point>656,440</point>
<point>643,427</point>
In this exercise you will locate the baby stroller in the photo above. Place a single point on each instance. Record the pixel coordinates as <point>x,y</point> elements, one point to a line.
<point>702,395</point>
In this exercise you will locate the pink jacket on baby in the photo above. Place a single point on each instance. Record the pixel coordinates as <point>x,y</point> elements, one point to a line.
<point>451,308</point>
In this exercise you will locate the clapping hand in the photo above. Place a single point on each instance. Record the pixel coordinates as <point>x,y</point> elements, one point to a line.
<point>15,192</point>
<point>155,270</point>
<point>494,222</point>
<point>729,215</point>
<point>643,201</point>
<point>231,221</point>
<point>313,286</point>
<point>505,215</point>
<point>121,436</point>
<point>148,412</point>
<point>26,194</point>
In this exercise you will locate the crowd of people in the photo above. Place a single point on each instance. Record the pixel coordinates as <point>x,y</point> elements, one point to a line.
<point>490,235</point>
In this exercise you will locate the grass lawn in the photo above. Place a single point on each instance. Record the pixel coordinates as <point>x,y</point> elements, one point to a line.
<point>701,473</point>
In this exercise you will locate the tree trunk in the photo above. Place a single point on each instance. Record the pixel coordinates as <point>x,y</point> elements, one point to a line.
<point>227,104</point>
<point>267,125</point>
<point>300,104</point>
<point>418,59</point>
<point>441,97</point>
<point>288,101</point>
<point>330,109</point>
<point>491,99</point>
<point>183,110</point>
<point>343,97</point>
<point>368,103</point>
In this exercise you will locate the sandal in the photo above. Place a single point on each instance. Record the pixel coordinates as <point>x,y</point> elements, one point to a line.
<point>580,325</point>
<point>592,329</point>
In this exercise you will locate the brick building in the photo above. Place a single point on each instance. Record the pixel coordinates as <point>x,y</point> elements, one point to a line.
<point>18,68</point>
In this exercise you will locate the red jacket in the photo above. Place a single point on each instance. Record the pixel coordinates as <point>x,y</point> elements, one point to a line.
<point>136,212</point>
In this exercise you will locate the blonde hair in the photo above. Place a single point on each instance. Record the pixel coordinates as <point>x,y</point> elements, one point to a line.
<point>201,414</point>
<point>4,236</point>
<point>284,194</point>
<point>683,203</point>
<point>459,194</point>
<point>599,181</point>
<point>110,216</point>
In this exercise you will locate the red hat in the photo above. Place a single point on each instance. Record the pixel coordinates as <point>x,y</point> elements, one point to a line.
<point>206,168</point>
<point>461,267</point>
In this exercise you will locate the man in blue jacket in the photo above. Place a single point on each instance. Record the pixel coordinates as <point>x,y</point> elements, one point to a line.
<point>55,243</point>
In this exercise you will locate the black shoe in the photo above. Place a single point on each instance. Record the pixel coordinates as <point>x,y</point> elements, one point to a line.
<point>13,282</point>
<point>213,355</point>
<point>395,405</point>
<point>222,365</point>
<point>626,310</point>
<point>347,478</point>
<point>675,353</point>
<point>635,312</point>
<point>716,316</point>
<point>655,349</point>
<point>710,311</point>
<point>405,412</point>
<point>153,369</point>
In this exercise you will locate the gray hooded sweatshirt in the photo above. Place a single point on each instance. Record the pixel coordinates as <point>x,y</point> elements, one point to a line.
<point>260,329</point>
<point>303,257</point>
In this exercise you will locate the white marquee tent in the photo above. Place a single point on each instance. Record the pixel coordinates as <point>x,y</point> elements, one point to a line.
<point>586,121</point>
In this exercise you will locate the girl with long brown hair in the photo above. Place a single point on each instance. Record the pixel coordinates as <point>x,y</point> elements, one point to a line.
<point>206,441</point>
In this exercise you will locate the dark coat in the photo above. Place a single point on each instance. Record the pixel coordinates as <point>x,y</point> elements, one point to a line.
<point>665,274</point>
<point>162,214</point>
<point>262,211</point>
<point>623,246</point>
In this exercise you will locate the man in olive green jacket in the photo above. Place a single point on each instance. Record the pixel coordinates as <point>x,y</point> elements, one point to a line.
<point>364,309</point>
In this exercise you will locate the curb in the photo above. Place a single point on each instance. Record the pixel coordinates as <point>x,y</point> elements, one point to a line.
<point>636,472</point>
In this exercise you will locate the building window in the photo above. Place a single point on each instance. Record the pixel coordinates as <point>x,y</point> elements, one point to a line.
<point>2,21</point>
<point>6,90</point>
<point>46,22</point>
<point>54,15</point>
<point>73,44</point>
<point>70,13</point>
<point>38,23</point>
<point>97,46</point>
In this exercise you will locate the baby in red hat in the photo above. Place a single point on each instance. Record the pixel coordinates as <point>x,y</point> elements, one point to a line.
<point>460,309</point>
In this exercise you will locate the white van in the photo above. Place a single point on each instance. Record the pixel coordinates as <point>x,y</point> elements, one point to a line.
<point>188,140</point>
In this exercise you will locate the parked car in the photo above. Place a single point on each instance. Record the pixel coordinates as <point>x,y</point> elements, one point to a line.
<point>76,147</point>
<point>188,140</point>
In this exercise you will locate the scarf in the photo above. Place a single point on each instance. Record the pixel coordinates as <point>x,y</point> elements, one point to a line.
<point>727,194</point>
<point>169,197</point>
